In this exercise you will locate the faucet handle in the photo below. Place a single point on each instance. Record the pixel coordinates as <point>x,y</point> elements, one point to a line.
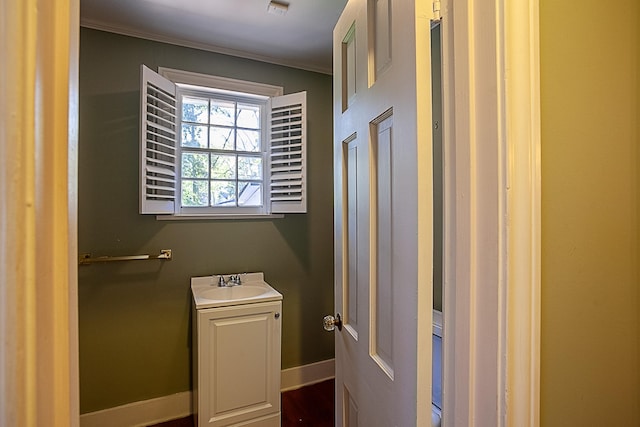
<point>221,281</point>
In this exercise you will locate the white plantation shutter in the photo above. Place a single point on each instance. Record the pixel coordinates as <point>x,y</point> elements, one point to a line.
<point>285,184</point>
<point>288,153</point>
<point>157,144</point>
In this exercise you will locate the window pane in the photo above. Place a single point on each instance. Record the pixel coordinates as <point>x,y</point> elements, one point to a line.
<point>222,138</point>
<point>248,116</point>
<point>195,109</point>
<point>222,151</point>
<point>195,193</point>
<point>223,193</point>
<point>194,136</point>
<point>195,165</point>
<point>248,140</point>
<point>223,167</point>
<point>222,112</point>
<point>249,167</point>
<point>250,194</point>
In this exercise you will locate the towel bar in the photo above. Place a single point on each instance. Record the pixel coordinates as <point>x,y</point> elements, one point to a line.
<point>86,258</point>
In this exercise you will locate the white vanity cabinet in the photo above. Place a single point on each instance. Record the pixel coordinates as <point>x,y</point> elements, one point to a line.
<point>236,367</point>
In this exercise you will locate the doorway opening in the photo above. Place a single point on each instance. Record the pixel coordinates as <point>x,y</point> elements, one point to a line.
<point>438,221</point>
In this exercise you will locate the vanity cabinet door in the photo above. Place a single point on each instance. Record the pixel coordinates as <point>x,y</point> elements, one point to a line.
<point>239,365</point>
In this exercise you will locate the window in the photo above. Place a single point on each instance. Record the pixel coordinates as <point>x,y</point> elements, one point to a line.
<point>214,147</point>
<point>221,151</point>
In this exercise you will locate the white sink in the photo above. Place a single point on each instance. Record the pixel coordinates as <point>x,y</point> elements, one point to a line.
<point>207,293</point>
<point>232,292</point>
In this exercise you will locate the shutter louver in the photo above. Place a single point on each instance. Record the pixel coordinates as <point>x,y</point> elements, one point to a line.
<point>288,154</point>
<point>157,144</point>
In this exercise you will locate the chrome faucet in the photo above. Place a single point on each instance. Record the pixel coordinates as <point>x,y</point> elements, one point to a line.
<point>232,280</point>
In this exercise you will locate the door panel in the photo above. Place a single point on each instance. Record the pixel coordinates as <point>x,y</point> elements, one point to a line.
<point>350,283</point>
<point>350,410</point>
<point>348,63</point>
<point>381,283</point>
<point>383,213</point>
<point>380,31</point>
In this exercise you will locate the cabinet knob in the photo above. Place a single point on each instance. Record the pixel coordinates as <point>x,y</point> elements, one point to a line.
<point>277,315</point>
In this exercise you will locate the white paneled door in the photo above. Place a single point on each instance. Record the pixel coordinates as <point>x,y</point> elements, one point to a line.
<point>383,214</point>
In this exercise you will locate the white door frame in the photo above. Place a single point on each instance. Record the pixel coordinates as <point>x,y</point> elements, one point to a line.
<point>491,296</point>
<point>39,42</point>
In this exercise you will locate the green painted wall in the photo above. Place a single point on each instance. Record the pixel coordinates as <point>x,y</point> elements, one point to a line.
<point>590,88</point>
<point>135,317</point>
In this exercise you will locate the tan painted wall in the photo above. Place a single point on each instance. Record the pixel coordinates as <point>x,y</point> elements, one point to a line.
<point>590,88</point>
<point>135,317</point>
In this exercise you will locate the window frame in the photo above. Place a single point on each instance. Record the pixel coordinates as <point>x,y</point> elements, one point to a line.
<point>188,81</point>
<point>210,92</point>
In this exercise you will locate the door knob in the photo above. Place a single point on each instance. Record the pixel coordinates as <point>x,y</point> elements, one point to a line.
<point>330,323</point>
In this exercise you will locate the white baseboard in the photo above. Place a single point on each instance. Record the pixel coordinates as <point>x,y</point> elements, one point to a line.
<point>144,413</point>
<point>300,376</point>
<point>153,411</point>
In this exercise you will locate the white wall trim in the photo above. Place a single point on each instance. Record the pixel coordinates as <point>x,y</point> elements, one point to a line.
<point>38,213</point>
<point>179,405</point>
<point>492,273</point>
<point>141,413</point>
<point>312,373</point>
<point>224,83</point>
<point>522,102</point>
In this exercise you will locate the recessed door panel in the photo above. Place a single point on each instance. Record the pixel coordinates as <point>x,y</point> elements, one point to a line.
<point>382,281</point>
<point>380,38</point>
<point>348,71</point>
<point>350,409</point>
<point>350,203</point>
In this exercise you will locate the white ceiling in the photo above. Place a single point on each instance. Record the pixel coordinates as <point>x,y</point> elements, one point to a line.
<point>301,38</point>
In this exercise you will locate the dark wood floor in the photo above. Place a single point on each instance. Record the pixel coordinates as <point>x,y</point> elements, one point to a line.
<point>311,406</point>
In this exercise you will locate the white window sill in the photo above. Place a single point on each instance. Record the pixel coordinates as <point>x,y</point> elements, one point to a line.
<point>216,217</point>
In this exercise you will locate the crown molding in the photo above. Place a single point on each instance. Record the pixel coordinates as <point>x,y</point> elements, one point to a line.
<point>130,32</point>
